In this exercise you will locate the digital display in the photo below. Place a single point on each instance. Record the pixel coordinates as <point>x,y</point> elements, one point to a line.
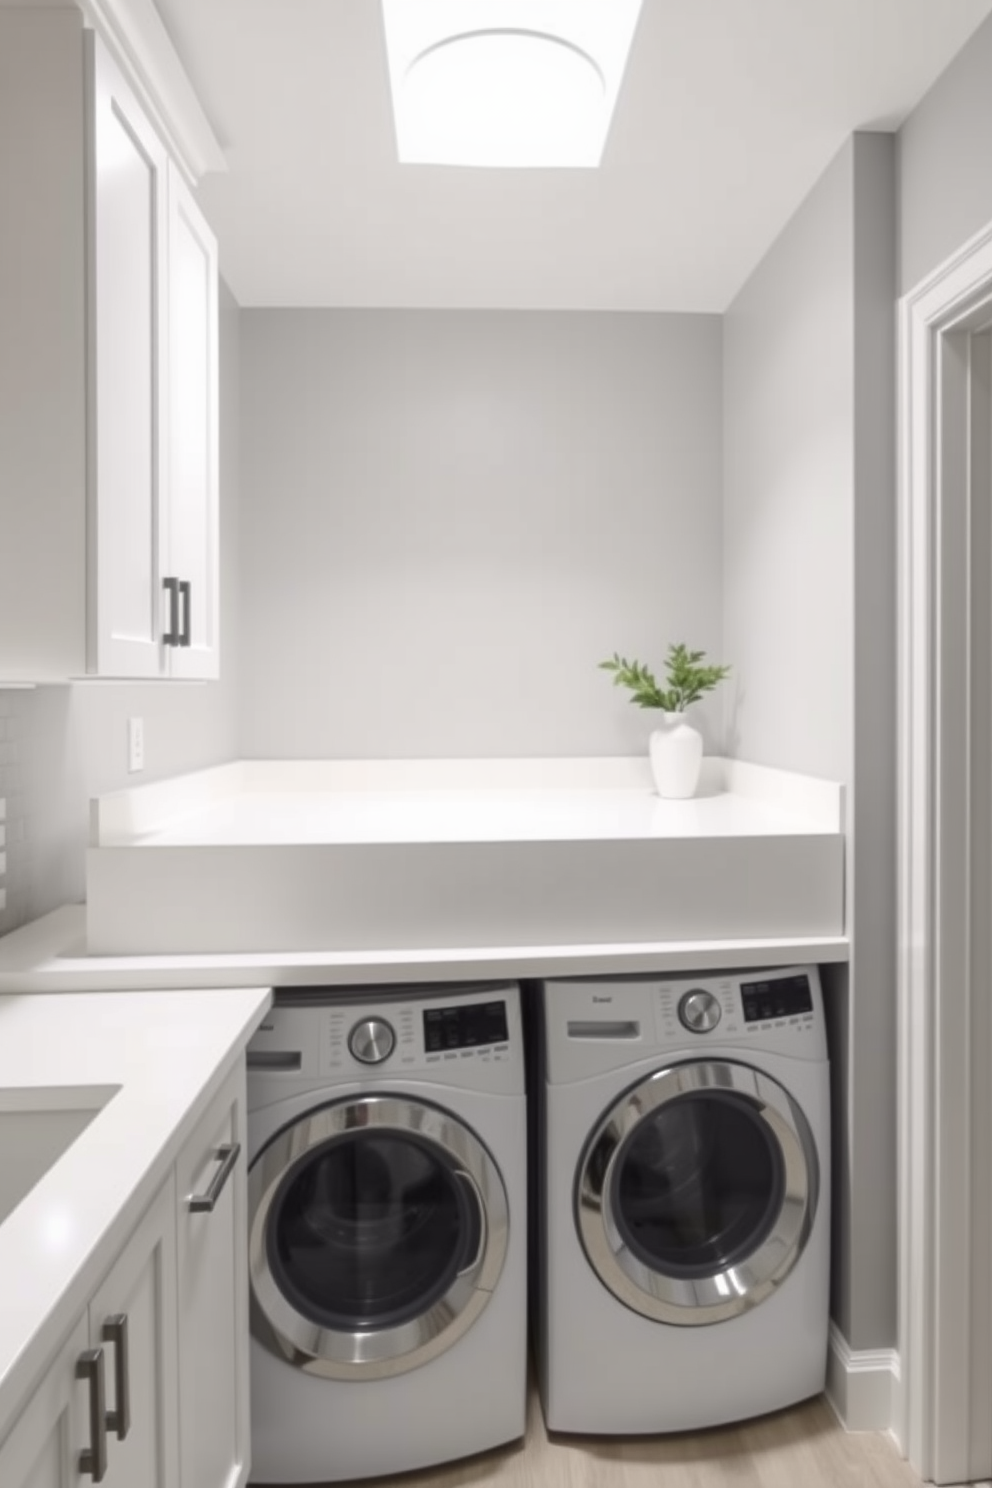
<point>782,997</point>
<point>465,1027</point>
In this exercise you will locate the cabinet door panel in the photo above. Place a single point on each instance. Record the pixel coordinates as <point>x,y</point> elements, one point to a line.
<point>128,242</point>
<point>42,1450</point>
<point>192,463</point>
<point>213,1304</point>
<point>142,1286</point>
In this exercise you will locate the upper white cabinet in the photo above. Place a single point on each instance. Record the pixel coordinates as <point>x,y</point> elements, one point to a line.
<point>108,371</point>
<point>190,536</point>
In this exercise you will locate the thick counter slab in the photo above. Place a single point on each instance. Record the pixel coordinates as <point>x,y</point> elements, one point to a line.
<point>147,1064</point>
<point>351,856</point>
<point>50,955</point>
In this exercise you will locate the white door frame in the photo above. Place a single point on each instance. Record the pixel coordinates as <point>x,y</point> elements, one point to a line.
<point>943,1415</point>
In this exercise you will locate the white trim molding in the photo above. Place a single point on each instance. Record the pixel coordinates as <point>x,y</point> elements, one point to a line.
<point>941,1416</point>
<point>140,45</point>
<point>861,1385</point>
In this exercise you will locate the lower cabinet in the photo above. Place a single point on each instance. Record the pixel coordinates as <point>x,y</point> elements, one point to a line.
<point>211,1182</point>
<point>150,1387</point>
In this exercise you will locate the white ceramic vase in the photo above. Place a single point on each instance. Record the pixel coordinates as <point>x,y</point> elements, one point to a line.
<point>676,750</point>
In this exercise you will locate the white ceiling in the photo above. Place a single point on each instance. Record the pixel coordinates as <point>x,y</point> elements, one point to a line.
<point>729,111</point>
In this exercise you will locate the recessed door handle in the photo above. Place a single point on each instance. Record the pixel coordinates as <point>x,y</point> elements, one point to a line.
<point>227,1156</point>
<point>93,1459</point>
<point>114,1331</point>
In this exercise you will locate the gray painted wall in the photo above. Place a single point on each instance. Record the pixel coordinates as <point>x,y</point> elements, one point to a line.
<point>61,745</point>
<point>448,519</point>
<point>809,604</point>
<point>945,163</point>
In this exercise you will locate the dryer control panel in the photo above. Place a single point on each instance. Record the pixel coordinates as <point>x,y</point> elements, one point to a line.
<point>598,1023</point>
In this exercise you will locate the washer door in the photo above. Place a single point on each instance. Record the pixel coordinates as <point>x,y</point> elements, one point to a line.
<point>696,1194</point>
<point>377,1231</point>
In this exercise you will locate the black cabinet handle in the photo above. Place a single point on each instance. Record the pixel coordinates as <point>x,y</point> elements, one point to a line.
<point>93,1459</point>
<point>171,636</point>
<point>186,595</point>
<point>114,1331</point>
<point>227,1156</point>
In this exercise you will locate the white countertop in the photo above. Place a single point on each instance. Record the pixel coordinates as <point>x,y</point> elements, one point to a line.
<point>367,861</point>
<point>274,817</point>
<point>49,955</point>
<point>279,802</point>
<point>168,1053</point>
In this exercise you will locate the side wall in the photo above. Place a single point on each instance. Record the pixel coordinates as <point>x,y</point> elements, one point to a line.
<point>450,517</point>
<point>945,163</point>
<point>61,745</point>
<point>809,595</point>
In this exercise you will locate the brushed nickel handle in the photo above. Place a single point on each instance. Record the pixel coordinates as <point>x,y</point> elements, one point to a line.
<point>93,1459</point>
<point>227,1156</point>
<point>186,596</point>
<point>171,637</point>
<point>114,1331</point>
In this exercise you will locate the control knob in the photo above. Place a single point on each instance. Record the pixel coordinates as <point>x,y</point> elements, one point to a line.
<point>372,1040</point>
<point>699,1011</point>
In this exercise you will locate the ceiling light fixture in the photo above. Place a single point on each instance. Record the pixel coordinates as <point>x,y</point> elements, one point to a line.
<point>520,83</point>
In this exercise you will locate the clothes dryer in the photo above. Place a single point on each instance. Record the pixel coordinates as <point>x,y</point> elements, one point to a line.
<point>387,1231</point>
<point>683,1154</point>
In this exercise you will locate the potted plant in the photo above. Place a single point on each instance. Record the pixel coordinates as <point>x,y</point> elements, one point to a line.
<point>675,747</point>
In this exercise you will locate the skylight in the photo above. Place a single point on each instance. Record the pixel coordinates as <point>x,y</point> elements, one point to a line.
<point>513,83</point>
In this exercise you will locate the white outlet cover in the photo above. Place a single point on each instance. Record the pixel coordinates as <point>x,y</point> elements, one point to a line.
<point>135,744</point>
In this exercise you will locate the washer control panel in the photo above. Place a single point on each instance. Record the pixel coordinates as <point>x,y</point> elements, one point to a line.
<point>458,1035</point>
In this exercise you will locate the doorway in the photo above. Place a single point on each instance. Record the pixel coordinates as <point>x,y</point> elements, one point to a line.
<point>944,1407</point>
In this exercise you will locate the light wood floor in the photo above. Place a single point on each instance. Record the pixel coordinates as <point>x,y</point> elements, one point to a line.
<point>803,1447</point>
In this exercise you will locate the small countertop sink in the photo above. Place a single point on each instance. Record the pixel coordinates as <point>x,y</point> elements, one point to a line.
<point>98,1092</point>
<point>36,1128</point>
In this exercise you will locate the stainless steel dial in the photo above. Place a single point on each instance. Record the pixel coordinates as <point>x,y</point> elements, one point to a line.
<point>372,1040</point>
<point>699,1011</point>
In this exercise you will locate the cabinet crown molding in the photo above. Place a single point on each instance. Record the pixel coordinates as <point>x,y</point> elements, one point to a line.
<point>134,34</point>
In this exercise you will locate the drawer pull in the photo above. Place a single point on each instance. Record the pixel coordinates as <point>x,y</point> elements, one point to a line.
<point>114,1331</point>
<point>93,1459</point>
<point>172,637</point>
<point>227,1156</point>
<point>186,598</point>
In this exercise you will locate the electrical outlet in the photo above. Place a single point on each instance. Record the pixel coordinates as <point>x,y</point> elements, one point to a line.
<point>135,744</point>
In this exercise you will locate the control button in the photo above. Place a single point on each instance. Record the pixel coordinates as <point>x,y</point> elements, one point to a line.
<point>699,1011</point>
<point>371,1041</point>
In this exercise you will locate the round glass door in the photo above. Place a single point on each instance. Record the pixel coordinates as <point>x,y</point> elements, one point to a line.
<point>377,1232</point>
<point>697,1192</point>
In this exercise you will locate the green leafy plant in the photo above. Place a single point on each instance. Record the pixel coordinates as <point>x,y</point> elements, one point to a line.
<point>687,680</point>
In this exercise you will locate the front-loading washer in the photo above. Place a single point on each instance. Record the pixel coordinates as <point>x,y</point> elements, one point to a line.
<point>387,1134</point>
<point>682,1167</point>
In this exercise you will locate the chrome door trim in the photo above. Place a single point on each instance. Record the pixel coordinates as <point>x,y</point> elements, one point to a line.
<point>724,1294</point>
<point>380,1352</point>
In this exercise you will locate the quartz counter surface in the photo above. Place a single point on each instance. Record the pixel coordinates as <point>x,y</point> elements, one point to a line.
<point>350,857</point>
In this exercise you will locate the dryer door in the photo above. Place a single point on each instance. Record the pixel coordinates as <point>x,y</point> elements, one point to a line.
<point>377,1232</point>
<point>695,1196</point>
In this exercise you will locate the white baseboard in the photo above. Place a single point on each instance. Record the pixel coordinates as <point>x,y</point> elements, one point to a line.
<point>862,1384</point>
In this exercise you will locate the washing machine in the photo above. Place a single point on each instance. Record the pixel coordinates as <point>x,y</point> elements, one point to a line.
<point>387,1134</point>
<point>681,1178</point>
